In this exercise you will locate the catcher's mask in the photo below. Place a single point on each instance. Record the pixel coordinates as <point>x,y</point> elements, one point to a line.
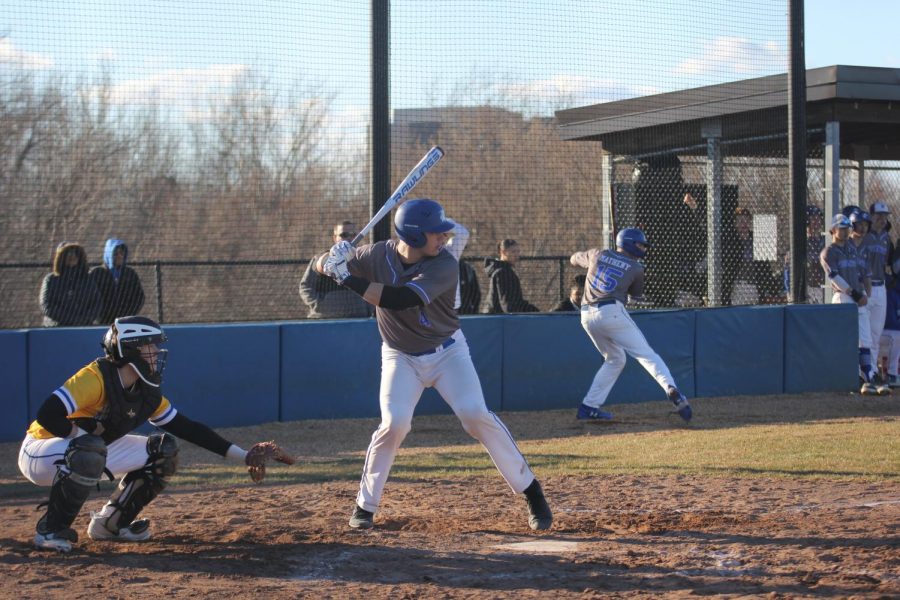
<point>124,341</point>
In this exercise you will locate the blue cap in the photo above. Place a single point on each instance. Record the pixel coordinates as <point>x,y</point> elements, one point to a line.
<point>841,221</point>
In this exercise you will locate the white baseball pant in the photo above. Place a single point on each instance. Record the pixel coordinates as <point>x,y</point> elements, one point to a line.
<point>451,372</point>
<point>37,458</point>
<point>877,306</point>
<point>614,333</point>
<point>865,330</point>
<point>890,349</point>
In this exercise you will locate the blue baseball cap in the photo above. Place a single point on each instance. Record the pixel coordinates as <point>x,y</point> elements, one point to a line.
<point>841,221</point>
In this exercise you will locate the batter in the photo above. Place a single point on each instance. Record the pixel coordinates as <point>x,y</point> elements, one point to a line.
<point>612,278</point>
<point>413,282</point>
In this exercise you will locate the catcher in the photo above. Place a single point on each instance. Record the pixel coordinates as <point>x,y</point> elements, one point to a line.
<point>83,431</point>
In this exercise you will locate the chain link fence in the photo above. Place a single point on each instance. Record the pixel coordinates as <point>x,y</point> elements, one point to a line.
<point>223,152</point>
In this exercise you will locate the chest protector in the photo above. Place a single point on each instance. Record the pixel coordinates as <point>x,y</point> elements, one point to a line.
<point>124,410</point>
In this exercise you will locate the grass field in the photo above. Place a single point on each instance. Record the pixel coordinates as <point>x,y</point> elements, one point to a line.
<point>733,486</point>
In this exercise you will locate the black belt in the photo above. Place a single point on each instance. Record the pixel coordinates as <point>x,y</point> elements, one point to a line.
<point>603,302</point>
<point>446,344</point>
<point>877,283</point>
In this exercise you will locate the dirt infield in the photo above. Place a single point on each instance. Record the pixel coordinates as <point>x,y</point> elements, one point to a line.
<point>467,537</point>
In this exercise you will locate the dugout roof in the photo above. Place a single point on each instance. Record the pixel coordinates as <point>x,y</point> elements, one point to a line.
<point>865,100</point>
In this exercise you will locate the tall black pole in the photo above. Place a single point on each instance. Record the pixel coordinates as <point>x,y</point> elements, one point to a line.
<point>797,151</point>
<point>380,131</point>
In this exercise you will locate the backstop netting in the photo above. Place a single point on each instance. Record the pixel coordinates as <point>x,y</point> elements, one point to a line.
<point>222,142</point>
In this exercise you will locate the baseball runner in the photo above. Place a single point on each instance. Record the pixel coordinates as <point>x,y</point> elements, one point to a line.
<point>412,282</point>
<point>83,431</point>
<point>613,277</point>
<point>849,280</point>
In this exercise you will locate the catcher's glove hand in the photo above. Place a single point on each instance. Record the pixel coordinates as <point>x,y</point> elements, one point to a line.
<point>260,453</point>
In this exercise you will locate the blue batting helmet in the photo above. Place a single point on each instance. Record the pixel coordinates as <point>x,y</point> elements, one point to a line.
<point>628,240</point>
<point>849,210</point>
<point>840,221</point>
<point>415,218</point>
<point>860,216</point>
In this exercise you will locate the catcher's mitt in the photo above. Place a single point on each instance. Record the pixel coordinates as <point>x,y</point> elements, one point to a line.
<point>260,453</point>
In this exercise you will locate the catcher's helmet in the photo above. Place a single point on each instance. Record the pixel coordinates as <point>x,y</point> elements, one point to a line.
<point>628,240</point>
<point>123,340</point>
<point>415,218</point>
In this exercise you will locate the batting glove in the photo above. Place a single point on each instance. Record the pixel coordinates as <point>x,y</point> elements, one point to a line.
<point>336,268</point>
<point>343,250</point>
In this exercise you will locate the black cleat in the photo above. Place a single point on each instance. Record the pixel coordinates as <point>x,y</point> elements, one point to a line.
<point>361,518</point>
<point>540,517</point>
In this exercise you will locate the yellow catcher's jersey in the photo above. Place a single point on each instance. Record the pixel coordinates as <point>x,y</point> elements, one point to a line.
<point>84,396</point>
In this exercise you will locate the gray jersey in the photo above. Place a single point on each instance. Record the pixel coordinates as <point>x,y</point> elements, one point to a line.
<point>433,279</point>
<point>877,254</point>
<point>610,275</point>
<point>844,261</point>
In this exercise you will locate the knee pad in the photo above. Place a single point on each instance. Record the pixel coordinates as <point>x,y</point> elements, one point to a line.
<point>138,488</point>
<point>85,458</point>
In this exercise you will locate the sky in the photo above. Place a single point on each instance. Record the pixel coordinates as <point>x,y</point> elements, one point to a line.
<point>541,54</point>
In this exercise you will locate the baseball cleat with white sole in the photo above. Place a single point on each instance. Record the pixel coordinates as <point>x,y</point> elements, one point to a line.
<point>868,389</point>
<point>60,541</point>
<point>589,413</point>
<point>138,531</point>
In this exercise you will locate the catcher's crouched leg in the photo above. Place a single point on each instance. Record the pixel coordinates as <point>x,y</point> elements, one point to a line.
<point>84,460</point>
<point>136,490</point>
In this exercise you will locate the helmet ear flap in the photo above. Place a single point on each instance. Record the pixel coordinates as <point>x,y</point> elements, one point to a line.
<point>110,344</point>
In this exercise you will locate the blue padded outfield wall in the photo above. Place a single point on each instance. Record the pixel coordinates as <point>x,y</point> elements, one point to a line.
<point>245,374</point>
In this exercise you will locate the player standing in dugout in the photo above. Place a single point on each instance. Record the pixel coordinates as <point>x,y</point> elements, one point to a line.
<point>849,280</point>
<point>412,283</point>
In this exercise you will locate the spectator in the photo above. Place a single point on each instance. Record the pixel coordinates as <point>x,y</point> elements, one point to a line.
<point>747,280</point>
<point>573,302</point>
<point>815,243</point>
<point>469,290</point>
<point>676,220</point>
<point>324,297</point>
<point>690,249</point>
<point>119,285</point>
<point>506,290</point>
<point>68,295</point>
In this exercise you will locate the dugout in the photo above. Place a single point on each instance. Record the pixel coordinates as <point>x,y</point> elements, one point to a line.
<point>853,123</point>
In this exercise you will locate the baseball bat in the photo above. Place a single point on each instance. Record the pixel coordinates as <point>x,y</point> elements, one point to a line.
<point>415,176</point>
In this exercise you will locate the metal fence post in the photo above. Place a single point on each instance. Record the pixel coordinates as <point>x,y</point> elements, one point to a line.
<point>159,291</point>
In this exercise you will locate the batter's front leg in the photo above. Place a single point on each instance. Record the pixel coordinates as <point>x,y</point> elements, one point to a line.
<point>459,386</point>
